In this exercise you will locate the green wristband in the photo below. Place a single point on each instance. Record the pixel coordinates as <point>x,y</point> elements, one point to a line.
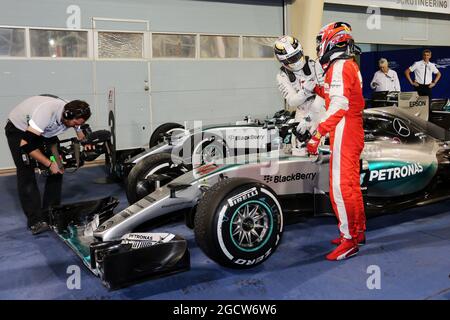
<point>52,159</point>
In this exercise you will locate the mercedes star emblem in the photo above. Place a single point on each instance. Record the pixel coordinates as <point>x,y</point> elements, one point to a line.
<point>401,128</point>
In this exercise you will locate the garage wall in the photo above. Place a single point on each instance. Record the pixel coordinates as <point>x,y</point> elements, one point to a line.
<point>203,90</point>
<point>253,17</point>
<point>20,79</point>
<point>210,90</point>
<point>397,27</point>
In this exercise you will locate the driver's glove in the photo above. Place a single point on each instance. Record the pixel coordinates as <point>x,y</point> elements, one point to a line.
<point>304,125</point>
<point>313,144</point>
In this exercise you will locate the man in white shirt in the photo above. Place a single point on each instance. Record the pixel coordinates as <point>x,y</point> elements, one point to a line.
<point>385,79</point>
<point>33,122</point>
<point>423,75</point>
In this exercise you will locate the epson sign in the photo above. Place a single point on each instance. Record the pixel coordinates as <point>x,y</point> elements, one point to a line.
<point>418,103</point>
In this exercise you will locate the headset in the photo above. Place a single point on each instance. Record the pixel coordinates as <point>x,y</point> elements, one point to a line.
<point>76,113</point>
<point>70,114</point>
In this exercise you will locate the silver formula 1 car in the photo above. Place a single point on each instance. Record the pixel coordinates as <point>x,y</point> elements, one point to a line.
<point>436,111</point>
<point>215,143</point>
<point>200,146</point>
<point>238,209</point>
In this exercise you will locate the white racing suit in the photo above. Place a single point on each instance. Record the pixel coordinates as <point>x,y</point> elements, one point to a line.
<point>297,87</point>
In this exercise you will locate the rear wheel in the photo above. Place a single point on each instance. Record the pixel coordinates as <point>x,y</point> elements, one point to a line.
<point>137,184</point>
<point>238,223</point>
<point>158,135</point>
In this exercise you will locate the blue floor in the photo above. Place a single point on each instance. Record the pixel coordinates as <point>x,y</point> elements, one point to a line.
<point>412,250</point>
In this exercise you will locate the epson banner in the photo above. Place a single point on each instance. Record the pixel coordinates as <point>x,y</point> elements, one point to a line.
<point>437,6</point>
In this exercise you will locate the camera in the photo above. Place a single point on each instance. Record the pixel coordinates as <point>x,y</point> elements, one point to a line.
<point>70,151</point>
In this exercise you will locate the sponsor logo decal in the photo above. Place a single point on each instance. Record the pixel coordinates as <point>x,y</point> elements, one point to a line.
<point>394,65</point>
<point>245,138</point>
<point>253,261</point>
<point>137,204</point>
<point>396,173</point>
<point>336,84</point>
<point>401,128</point>
<point>418,103</point>
<point>443,63</point>
<point>138,236</point>
<point>125,214</point>
<point>205,169</point>
<point>250,193</point>
<point>150,199</point>
<point>424,3</point>
<point>292,177</point>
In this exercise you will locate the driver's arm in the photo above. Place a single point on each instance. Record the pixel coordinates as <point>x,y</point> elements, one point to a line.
<point>293,98</point>
<point>339,97</point>
<point>319,90</point>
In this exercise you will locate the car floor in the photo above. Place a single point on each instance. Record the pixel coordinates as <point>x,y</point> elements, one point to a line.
<point>411,251</point>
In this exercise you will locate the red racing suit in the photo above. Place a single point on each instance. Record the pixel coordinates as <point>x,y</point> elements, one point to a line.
<point>344,102</point>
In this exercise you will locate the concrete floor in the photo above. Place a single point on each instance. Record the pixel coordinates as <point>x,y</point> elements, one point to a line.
<point>411,250</point>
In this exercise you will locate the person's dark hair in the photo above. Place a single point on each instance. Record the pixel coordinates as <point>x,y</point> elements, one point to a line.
<point>77,109</point>
<point>426,51</point>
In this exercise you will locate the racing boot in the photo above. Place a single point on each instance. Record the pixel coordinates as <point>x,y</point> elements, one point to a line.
<point>346,249</point>
<point>361,240</point>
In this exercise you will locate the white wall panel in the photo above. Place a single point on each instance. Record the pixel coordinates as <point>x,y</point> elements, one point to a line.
<point>397,27</point>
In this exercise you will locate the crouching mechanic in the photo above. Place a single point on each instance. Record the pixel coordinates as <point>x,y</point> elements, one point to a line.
<point>297,79</point>
<point>343,120</point>
<point>31,123</point>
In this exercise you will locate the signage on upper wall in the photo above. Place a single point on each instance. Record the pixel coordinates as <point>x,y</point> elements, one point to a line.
<point>74,19</point>
<point>436,6</point>
<point>443,63</point>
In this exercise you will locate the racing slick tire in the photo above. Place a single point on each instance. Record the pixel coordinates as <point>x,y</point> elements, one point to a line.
<point>238,223</point>
<point>158,135</point>
<point>137,185</point>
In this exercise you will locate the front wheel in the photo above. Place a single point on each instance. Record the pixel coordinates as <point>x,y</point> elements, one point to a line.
<point>238,223</point>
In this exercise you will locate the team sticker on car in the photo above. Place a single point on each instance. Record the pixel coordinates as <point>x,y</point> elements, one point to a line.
<point>249,262</point>
<point>239,198</point>
<point>396,173</point>
<point>291,177</point>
